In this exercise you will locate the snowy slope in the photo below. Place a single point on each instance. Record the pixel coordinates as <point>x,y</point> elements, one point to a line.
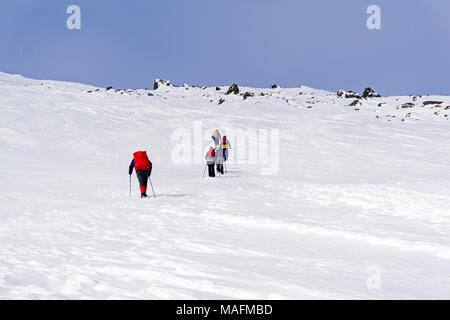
<point>357,190</point>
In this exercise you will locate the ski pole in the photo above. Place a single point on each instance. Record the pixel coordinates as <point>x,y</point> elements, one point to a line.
<point>204,171</point>
<point>152,187</point>
<point>130,185</point>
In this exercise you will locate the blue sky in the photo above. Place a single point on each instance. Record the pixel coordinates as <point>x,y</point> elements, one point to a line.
<point>319,43</point>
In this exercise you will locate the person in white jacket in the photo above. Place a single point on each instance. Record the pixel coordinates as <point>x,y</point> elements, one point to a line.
<point>217,137</point>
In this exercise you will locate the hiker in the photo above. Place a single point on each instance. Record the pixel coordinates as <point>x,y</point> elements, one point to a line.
<point>218,149</point>
<point>143,168</point>
<point>210,158</point>
<point>225,146</point>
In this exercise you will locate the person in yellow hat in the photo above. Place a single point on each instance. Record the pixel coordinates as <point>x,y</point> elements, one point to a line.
<point>225,146</point>
<point>216,136</point>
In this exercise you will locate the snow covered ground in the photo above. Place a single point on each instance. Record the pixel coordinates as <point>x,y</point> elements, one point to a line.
<point>359,208</point>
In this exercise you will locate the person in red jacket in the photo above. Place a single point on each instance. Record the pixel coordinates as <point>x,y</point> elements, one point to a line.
<point>210,158</point>
<point>143,168</point>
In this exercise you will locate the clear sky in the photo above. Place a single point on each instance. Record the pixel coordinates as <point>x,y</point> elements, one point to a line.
<point>320,43</point>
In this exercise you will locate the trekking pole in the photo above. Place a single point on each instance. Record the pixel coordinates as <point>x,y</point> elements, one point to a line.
<point>152,187</point>
<point>204,171</point>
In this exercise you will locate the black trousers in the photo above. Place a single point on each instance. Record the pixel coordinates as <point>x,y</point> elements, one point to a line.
<point>220,168</point>
<point>211,170</point>
<point>142,176</point>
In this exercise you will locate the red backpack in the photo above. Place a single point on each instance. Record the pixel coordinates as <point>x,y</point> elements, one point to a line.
<point>141,161</point>
<point>212,153</point>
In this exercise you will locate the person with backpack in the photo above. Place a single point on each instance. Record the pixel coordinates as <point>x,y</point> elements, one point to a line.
<point>225,146</point>
<point>143,168</point>
<point>217,138</point>
<point>210,158</point>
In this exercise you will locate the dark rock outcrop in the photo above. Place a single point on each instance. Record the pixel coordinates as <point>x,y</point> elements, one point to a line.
<point>408,105</point>
<point>426,103</point>
<point>159,82</point>
<point>354,103</point>
<point>233,89</point>
<point>370,93</point>
<point>348,94</point>
<point>248,95</point>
